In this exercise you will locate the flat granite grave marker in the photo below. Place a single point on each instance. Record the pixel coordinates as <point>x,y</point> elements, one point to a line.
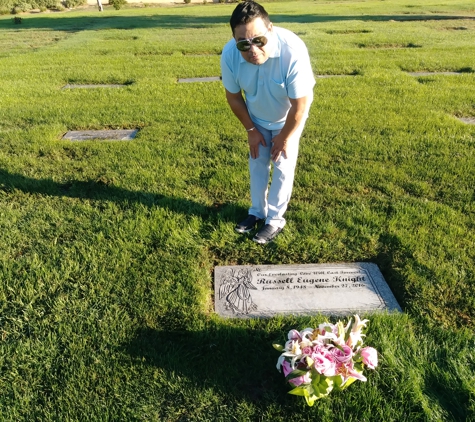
<point>92,86</point>
<point>433,73</point>
<point>332,76</point>
<point>467,120</point>
<point>207,79</point>
<point>105,135</point>
<point>309,289</point>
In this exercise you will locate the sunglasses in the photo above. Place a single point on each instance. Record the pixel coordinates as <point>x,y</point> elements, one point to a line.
<point>245,45</point>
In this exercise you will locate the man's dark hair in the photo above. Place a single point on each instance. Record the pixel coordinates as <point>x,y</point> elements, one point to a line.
<point>246,12</point>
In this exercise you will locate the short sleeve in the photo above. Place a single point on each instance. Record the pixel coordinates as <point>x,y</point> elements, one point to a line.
<point>300,79</point>
<point>228,69</point>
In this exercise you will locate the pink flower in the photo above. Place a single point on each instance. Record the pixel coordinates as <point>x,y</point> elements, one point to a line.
<point>347,371</point>
<point>307,350</point>
<point>324,362</point>
<point>303,379</point>
<point>344,355</point>
<point>370,357</point>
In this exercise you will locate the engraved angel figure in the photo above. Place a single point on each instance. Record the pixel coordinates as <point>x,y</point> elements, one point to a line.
<point>235,288</point>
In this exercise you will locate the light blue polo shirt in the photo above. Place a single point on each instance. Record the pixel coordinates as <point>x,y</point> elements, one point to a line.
<point>287,73</point>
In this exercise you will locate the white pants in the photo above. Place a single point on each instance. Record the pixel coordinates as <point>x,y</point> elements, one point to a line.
<point>271,204</point>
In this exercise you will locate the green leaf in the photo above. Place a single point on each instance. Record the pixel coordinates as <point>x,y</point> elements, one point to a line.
<point>302,390</point>
<point>307,392</point>
<point>311,400</point>
<point>341,329</point>
<point>315,377</point>
<point>337,346</point>
<point>337,381</point>
<point>348,382</point>
<point>295,374</point>
<point>325,386</point>
<point>278,347</point>
<point>322,385</point>
<point>348,331</point>
<point>309,362</point>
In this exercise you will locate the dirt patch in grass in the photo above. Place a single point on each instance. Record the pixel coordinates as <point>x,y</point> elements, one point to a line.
<point>348,31</point>
<point>387,46</point>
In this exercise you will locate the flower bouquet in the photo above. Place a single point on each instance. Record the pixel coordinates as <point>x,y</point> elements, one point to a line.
<point>316,361</point>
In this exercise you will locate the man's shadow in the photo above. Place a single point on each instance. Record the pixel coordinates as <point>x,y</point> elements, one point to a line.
<point>103,191</point>
<point>238,361</point>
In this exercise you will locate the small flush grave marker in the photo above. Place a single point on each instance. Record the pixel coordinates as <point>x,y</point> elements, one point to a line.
<point>433,73</point>
<point>331,76</point>
<point>207,79</point>
<point>200,55</point>
<point>467,120</point>
<point>105,135</point>
<point>92,86</point>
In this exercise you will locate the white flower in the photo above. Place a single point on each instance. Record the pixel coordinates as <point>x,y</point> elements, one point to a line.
<point>359,324</point>
<point>327,327</point>
<point>356,336</point>
<point>307,334</point>
<point>292,348</point>
<point>293,335</point>
<point>295,348</point>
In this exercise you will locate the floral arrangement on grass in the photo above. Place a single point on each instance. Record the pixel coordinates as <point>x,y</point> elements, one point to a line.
<point>316,361</point>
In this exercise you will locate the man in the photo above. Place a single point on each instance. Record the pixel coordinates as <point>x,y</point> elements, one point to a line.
<point>271,66</point>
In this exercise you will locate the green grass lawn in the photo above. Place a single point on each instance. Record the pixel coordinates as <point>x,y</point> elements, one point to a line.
<point>107,249</point>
